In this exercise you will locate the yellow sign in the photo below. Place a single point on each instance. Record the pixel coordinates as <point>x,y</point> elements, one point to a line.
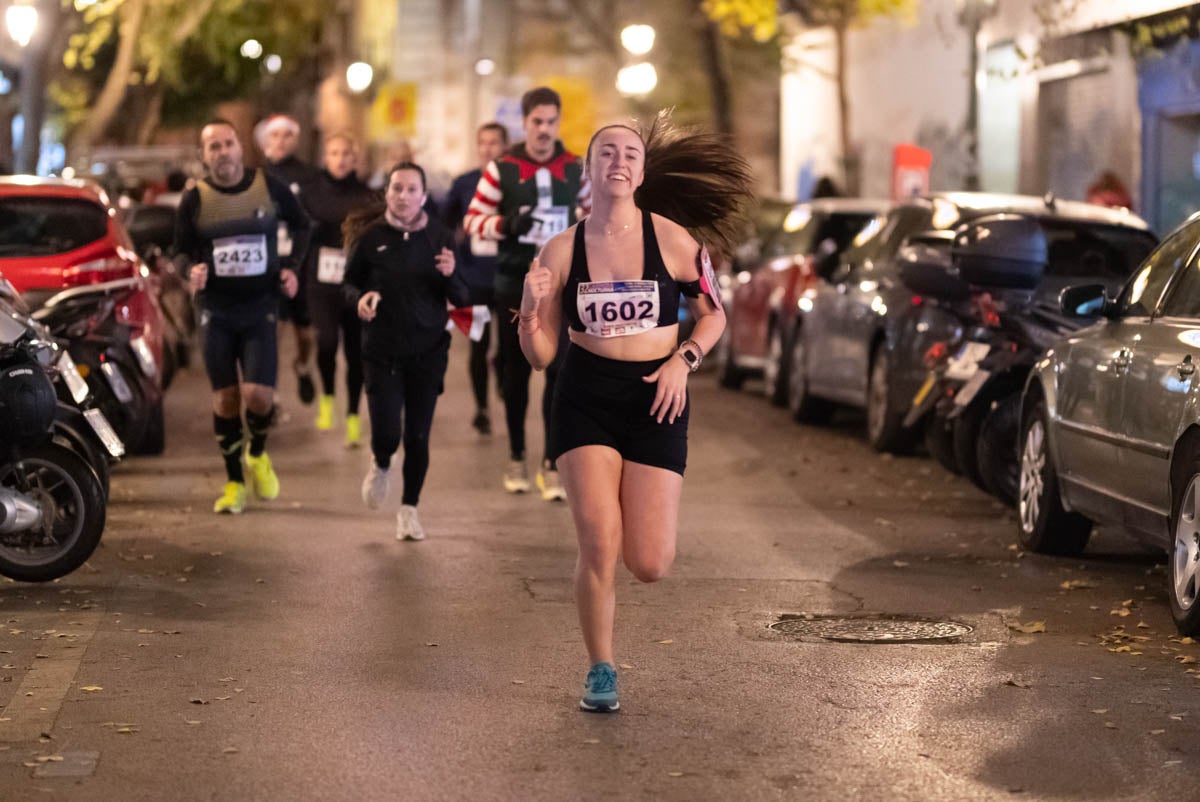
<point>394,112</point>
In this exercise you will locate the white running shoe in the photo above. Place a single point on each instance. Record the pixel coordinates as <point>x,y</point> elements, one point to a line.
<point>552,489</point>
<point>516,478</point>
<point>408,525</point>
<point>375,486</point>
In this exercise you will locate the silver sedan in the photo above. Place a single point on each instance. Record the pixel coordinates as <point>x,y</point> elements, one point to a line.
<point>1110,425</point>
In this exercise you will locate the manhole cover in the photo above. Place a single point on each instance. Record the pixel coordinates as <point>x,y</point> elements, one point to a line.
<point>869,628</point>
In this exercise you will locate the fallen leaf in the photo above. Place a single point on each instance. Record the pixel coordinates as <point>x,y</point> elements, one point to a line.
<point>1142,625</point>
<point>230,750</point>
<point>666,642</point>
<point>1101,711</point>
<point>1110,725</point>
<point>1157,732</point>
<point>626,666</point>
<point>674,773</point>
<point>431,644</point>
<point>1123,612</point>
<point>1016,683</point>
<point>91,688</point>
<point>1127,603</point>
<point>591,741</point>
<point>126,730</point>
<point>518,682</point>
<point>198,701</point>
<point>899,564</point>
<point>49,759</point>
<point>1029,629</point>
<point>1076,584</point>
<point>192,721</point>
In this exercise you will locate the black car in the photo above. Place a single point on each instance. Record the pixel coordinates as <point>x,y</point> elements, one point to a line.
<point>863,335</point>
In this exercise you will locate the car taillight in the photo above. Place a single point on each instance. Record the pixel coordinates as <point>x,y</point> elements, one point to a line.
<point>97,271</point>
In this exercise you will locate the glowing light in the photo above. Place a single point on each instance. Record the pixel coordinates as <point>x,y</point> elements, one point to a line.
<point>21,20</point>
<point>797,218</point>
<point>273,63</point>
<point>485,67</point>
<point>638,39</point>
<point>359,76</point>
<point>637,79</point>
<point>252,48</point>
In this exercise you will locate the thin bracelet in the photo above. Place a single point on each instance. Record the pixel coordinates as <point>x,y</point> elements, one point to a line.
<point>694,344</point>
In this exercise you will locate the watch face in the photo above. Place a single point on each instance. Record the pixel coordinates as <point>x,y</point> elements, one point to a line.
<point>689,357</point>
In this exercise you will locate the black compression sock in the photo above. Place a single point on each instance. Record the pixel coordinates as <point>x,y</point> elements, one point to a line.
<point>258,425</point>
<point>229,440</point>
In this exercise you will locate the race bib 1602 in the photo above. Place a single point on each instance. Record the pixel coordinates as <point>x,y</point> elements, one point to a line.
<point>617,308</point>
<point>240,256</point>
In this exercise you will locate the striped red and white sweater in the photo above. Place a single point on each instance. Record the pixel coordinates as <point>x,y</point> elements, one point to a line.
<point>510,185</point>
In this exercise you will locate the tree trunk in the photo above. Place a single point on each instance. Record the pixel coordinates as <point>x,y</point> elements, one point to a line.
<point>850,164</point>
<point>718,77</point>
<point>115,86</point>
<point>151,116</point>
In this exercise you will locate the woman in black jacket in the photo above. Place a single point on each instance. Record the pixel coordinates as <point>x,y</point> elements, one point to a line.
<point>331,198</point>
<point>400,276</point>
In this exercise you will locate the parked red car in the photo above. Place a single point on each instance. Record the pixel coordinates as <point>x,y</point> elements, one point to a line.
<point>57,234</point>
<point>801,250</point>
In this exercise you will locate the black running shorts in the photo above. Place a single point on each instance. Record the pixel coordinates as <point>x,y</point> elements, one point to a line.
<point>604,402</point>
<point>241,335</point>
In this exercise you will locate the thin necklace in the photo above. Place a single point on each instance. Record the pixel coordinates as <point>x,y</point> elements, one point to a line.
<point>625,227</point>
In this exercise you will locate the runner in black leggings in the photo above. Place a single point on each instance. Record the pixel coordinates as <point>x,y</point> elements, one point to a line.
<point>337,192</point>
<point>400,275</point>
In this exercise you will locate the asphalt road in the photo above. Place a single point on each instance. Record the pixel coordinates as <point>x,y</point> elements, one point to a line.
<point>299,652</point>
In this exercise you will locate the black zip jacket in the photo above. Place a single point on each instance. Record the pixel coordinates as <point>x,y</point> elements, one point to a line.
<point>411,317</point>
<point>329,201</point>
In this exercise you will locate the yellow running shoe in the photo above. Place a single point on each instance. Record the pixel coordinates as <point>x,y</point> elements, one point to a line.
<point>325,413</point>
<point>262,475</point>
<point>232,500</point>
<point>353,432</point>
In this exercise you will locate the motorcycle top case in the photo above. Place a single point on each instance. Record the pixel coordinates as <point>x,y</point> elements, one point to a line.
<point>926,268</point>
<point>1001,251</point>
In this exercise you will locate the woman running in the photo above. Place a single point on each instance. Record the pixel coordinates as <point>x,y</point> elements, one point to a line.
<point>399,276</point>
<point>620,409</point>
<point>331,198</point>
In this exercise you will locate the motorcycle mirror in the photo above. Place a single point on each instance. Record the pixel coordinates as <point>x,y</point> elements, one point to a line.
<point>1085,300</point>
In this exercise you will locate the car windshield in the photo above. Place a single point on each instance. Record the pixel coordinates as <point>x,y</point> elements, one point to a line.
<point>838,227</point>
<point>48,226</point>
<point>1078,250</point>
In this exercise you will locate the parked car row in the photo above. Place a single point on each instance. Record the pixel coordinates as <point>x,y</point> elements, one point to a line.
<point>91,335</point>
<point>1047,350</point>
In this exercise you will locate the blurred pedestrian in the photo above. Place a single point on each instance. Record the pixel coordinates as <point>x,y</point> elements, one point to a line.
<point>335,193</point>
<point>477,260</point>
<point>228,225</point>
<point>1109,190</point>
<point>278,137</point>
<point>401,275</point>
<point>621,407</point>
<point>528,195</point>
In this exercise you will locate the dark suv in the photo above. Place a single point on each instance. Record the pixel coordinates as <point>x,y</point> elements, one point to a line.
<point>862,336</point>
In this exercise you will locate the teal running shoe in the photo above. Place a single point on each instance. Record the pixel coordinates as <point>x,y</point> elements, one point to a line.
<point>600,690</point>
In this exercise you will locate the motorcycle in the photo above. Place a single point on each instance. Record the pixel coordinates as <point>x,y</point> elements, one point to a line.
<point>119,369</point>
<point>52,502</point>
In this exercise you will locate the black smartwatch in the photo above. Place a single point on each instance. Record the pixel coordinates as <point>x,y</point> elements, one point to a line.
<point>690,357</point>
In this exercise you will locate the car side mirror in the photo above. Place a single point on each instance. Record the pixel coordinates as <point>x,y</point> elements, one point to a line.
<point>1085,300</point>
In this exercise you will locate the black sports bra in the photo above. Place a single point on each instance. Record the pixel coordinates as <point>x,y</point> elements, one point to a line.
<point>618,308</point>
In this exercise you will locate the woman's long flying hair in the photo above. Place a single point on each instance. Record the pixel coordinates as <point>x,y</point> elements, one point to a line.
<point>695,178</point>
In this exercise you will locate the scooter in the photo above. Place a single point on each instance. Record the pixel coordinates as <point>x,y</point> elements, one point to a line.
<point>52,504</point>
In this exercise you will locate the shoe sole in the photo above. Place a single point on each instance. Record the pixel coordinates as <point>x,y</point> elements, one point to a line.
<point>513,487</point>
<point>554,495</point>
<point>411,539</point>
<point>599,708</point>
<point>228,511</point>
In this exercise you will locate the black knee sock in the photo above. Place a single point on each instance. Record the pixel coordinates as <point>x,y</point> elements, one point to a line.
<point>229,440</point>
<point>258,426</point>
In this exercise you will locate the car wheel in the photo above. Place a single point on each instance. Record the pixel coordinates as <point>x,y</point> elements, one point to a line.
<point>885,418</point>
<point>1184,576</point>
<point>939,440</point>
<point>728,374</point>
<point>776,369</point>
<point>804,407</point>
<point>1044,525</point>
<point>154,437</point>
<point>996,450</point>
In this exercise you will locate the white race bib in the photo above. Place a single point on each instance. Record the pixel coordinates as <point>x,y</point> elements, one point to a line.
<point>547,222</point>
<point>617,308</point>
<point>240,256</point>
<point>331,265</point>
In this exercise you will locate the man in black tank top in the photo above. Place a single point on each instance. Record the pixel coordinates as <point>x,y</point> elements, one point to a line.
<point>228,225</point>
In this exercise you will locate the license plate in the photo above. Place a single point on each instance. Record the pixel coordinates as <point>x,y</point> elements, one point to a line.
<point>964,364</point>
<point>145,357</point>
<point>70,376</point>
<point>971,389</point>
<point>117,382</point>
<point>105,432</point>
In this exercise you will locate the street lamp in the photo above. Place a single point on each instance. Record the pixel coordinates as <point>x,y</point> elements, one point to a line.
<point>971,15</point>
<point>637,80</point>
<point>21,19</point>
<point>359,76</point>
<point>252,49</point>
<point>638,39</point>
